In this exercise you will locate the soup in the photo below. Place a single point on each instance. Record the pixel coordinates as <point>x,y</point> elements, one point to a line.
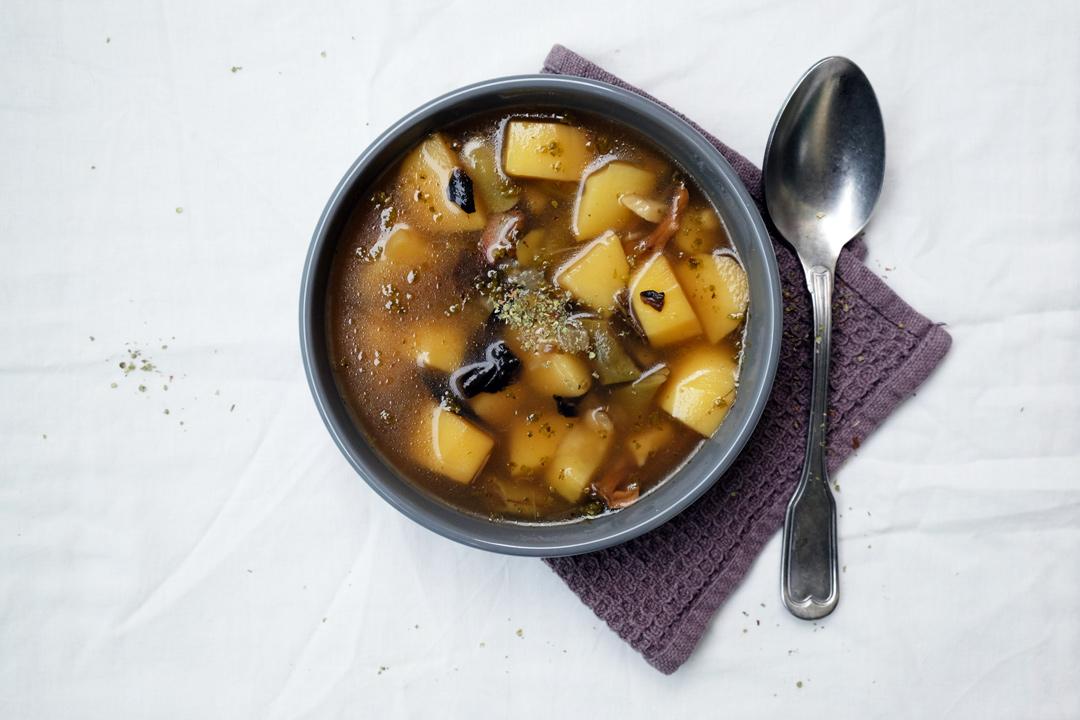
<point>536,317</point>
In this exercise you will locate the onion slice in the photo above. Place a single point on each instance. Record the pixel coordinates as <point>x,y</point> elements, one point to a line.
<point>499,234</point>
<point>645,208</point>
<point>666,228</point>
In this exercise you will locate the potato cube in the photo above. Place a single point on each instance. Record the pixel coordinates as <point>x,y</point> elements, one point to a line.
<point>717,289</point>
<point>598,207</point>
<point>701,388</point>
<point>580,454</point>
<point>523,497</point>
<point>597,273</point>
<point>548,150</point>
<point>495,409</point>
<point>532,443</point>
<point>451,446</point>
<point>498,191</point>
<point>529,250</point>
<point>424,179</point>
<point>645,208</point>
<point>699,231</point>
<point>675,321</point>
<point>440,346</point>
<point>401,246</point>
<point>643,443</point>
<point>557,373</point>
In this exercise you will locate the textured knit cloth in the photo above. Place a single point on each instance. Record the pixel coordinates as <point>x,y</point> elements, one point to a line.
<point>659,591</point>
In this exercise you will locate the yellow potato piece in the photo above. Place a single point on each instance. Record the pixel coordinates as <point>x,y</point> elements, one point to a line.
<point>451,446</point>
<point>700,389</point>
<point>523,497</point>
<point>597,273</point>
<point>548,150</point>
<point>673,323</point>
<point>532,443</point>
<point>643,443</point>
<point>403,246</point>
<point>699,231</point>
<point>529,249</point>
<point>499,192</point>
<point>645,208</point>
<point>716,286</point>
<point>496,409</point>
<point>580,455</point>
<point>424,178</point>
<point>598,207</point>
<point>557,374</point>
<point>440,346</point>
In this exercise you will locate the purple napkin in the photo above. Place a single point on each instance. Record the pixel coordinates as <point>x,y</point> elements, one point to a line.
<point>659,590</point>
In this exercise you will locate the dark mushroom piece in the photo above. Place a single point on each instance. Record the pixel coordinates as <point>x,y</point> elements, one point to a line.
<point>653,298</point>
<point>460,190</point>
<point>567,406</point>
<point>499,368</point>
<point>615,486</point>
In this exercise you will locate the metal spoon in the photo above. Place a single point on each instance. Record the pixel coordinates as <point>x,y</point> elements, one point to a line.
<point>823,170</point>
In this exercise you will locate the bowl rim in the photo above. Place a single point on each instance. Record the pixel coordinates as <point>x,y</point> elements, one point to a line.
<point>324,241</point>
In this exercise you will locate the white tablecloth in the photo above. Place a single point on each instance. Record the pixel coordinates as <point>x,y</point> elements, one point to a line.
<point>205,552</point>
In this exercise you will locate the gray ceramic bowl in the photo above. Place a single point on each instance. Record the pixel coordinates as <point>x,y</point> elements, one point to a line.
<point>698,159</point>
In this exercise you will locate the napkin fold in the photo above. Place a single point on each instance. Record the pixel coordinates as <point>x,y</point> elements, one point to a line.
<point>659,591</point>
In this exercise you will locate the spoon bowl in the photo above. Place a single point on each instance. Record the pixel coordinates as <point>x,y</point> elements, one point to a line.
<point>825,161</point>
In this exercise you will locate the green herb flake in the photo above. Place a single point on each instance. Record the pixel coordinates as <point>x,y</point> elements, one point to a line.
<point>540,314</point>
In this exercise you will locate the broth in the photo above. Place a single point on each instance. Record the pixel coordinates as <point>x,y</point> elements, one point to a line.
<point>536,317</point>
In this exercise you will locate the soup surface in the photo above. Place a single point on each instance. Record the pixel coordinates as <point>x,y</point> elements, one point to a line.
<point>536,317</point>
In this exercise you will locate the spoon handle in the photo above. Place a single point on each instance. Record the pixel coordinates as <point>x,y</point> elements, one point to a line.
<point>809,582</point>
